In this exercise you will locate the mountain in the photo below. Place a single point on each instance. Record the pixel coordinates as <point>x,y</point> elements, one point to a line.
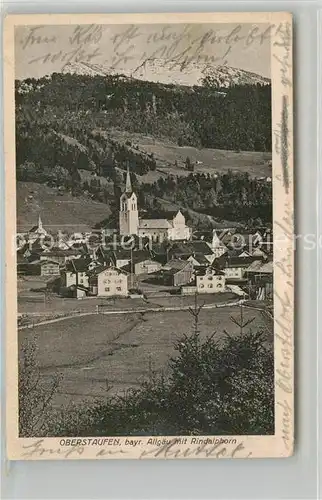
<point>169,72</point>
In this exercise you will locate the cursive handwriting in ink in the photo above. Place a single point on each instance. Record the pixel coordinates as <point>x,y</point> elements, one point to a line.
<point>286,423</point>
<point>35,37</point>
<point>36,449</point>
<point>84,34</point>
<point>172,450</point>
<point>79,54</point>
<point>285,143</point>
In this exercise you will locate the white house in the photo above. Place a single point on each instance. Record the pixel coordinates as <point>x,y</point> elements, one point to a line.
<point>210,280</point>
<point>217,245</point>
<point>109,281</point>
<point>75,273</point>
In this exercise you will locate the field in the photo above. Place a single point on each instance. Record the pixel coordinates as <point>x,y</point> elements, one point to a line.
<point>211,161</point>
<point>58,210</point>
<point>95,352</point>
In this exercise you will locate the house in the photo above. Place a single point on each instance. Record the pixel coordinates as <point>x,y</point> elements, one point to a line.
<point>198,260</point>
<point>244,241</point>
<point>258,272</point>
<point>260,279</point>
<point>234,264</point>
<point>142,263</point>
<point>160,252</point>
<point>196,249</point>
<point>22,264</point>
<point>108,281</point>
<point>59,255</point>
<point>43,268</point>
<point>210,280</point>
<point>75,273</point>
<point>177,272</point>
<point>217,246</point>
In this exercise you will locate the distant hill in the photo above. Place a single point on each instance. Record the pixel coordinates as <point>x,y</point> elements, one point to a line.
<point>58,210</point>
<point>170,158</point>
<point>169,72</point>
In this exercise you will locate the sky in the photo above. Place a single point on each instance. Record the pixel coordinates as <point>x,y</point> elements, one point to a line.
<point>42,50</point>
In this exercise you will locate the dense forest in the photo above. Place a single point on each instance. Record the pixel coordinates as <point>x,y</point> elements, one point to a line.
<point>237,119</point>
<point>229,196</point>
<point>63,123</point>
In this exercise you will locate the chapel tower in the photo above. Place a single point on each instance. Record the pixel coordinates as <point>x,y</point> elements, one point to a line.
<point>128,215</point>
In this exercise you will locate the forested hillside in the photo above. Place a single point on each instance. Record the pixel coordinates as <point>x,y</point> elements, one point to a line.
<point>63,125</point>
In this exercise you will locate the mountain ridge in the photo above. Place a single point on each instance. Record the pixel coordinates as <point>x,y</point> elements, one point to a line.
<point>171,72</point>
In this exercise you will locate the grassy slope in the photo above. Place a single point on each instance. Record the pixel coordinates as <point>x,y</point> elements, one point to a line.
<point>80,214</point>
<point>213,160</point>
<point>57,212</point>
<point>95,351</point>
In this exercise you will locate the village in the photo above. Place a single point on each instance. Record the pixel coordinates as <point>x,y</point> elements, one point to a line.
<point>145,258</point>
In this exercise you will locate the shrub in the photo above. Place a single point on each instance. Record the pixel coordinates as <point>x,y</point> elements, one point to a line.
<point>212,387</point>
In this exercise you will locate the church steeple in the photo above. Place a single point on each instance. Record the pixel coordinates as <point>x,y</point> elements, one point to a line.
<point>40,223</point>
<point>128,215</point>
<point>128,185</point>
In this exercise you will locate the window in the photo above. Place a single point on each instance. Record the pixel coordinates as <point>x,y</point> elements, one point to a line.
<point>210,285</point>
<point>202,286</point>
<point>201,278</point>
<point>219,285</point>
<point>81,281</point>
<point>118,288</point>
<point>107,289</point>
<point>210,278</point>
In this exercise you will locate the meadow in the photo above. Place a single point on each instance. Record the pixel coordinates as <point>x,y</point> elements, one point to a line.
<point>101,354</point>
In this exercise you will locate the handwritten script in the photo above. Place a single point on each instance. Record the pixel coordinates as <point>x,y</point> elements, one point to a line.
<point>134,46</point>
<point>284,227</point>
<point>37,449</point>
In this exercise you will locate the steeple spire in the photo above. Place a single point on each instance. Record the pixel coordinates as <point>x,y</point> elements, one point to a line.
<point>39,222</point>
<point>128,186</point>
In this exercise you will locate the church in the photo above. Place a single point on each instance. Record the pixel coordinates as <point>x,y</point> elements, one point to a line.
<point>156,229</point>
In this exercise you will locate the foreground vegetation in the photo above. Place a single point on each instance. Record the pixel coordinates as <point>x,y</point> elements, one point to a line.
<point>212,388</point>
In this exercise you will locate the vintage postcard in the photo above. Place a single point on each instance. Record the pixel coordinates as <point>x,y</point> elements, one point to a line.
<point>149,236</point>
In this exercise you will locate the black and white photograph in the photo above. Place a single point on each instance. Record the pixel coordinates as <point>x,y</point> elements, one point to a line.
<point>147,160</point>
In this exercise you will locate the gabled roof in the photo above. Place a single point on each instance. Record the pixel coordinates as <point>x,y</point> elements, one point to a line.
<point>202,271</point>
<point>254,266</point>
<point>191,248</point>
<point>77,265</point>
<point>267,268</point>
<point>238,262</point>
<point>43,262</point>
<point>154,224</point>
<point>100,269</point>
<point>176,265</point>
<point>128,195</point>
<point>200,258</point>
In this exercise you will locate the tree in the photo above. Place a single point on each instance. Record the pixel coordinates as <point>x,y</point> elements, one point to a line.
<point>35,395</point>
<point>189,165</point>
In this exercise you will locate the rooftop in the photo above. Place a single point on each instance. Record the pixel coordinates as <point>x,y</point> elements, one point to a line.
<point>154,224</point>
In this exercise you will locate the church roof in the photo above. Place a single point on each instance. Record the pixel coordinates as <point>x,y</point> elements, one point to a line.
<point>154,224</point>
<point>128,194</point>
<point>128,186</point>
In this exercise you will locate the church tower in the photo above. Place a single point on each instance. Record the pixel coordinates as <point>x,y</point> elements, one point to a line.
<point>128,215</point>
